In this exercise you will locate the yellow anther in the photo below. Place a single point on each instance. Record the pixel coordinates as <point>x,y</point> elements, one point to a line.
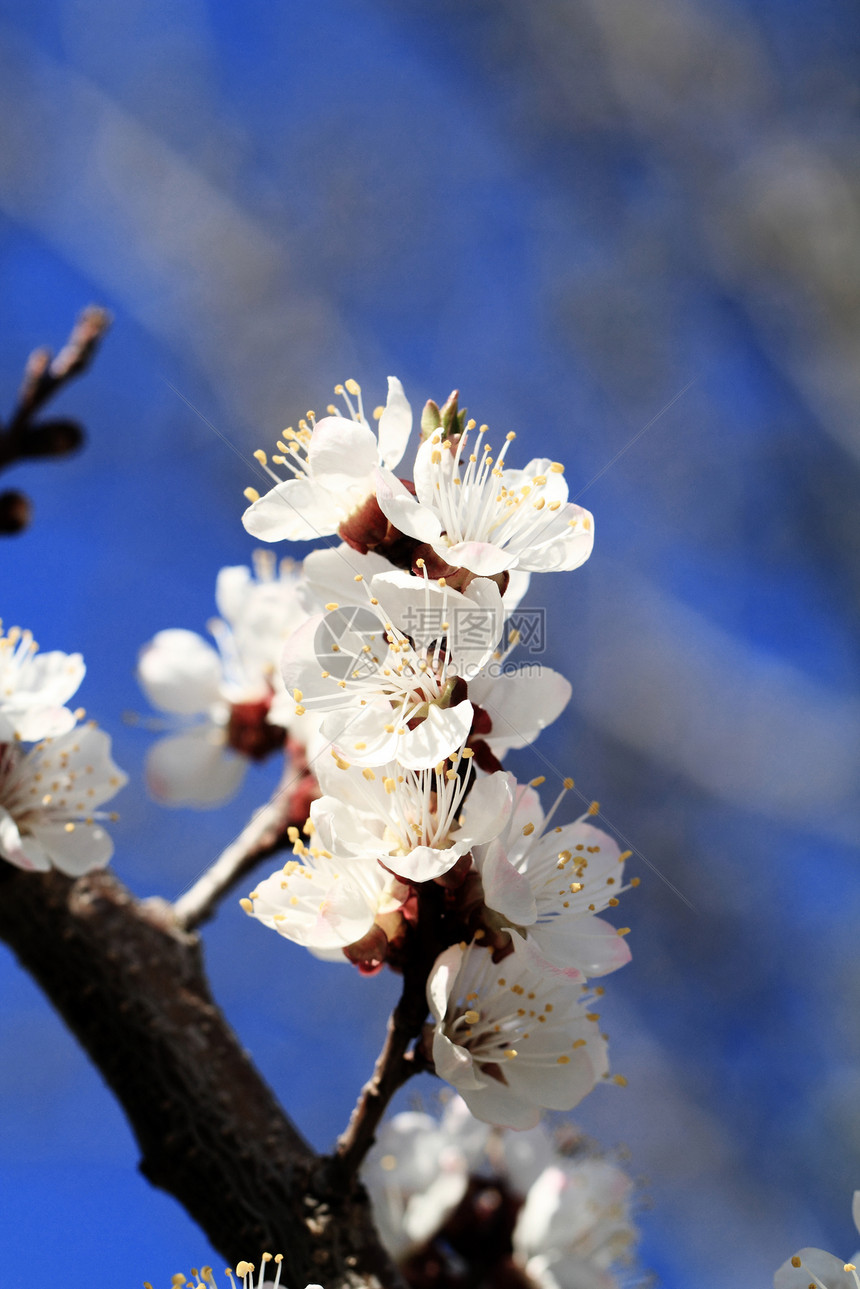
<point>331,606</point>
<point>620,1080</point>
<point>251,494</point>
<point>535,783</point>
<point>260,456</point>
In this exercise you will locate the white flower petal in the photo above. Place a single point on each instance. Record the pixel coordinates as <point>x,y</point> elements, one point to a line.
<point>179,672</point>
<point>74,850</point>
<point>520,703</point>
<point>194,769</point>
<point>330,573</point>
<point>488,808</point>
<point>297,510</point>
<point>232,587</point>
<point>442,731</point>
<point>342,452</point>
<point>482,558</point>
<point>403,511</point>
<point>13,847</point>
<point>506,890</point>
<point>395,425</point>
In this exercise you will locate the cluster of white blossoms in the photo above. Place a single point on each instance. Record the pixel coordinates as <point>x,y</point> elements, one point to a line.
<point>815,1269</point>
<point>420,836</point>
<point>452,1193</point>
<point>55,771</point>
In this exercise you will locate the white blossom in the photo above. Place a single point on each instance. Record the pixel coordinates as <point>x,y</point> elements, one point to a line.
<point>574,1225</point>
<point>228,702</point>
<point>382,672</point>
<point>819,1269</point>
<point>416,1174</point>
<point>332,466</point>
<point>479,516</point>
<point>509,1040</point>
<point>34,688</point>
<point>417,822</point>
<point>548,883</point>
<point>50,798</point>
<point>326,897</point>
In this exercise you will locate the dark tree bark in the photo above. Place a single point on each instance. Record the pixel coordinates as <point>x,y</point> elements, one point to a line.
<point>131,986</point>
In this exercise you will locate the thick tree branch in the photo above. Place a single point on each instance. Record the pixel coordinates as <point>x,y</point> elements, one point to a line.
<point>130,985</point>
<point>264,834</point>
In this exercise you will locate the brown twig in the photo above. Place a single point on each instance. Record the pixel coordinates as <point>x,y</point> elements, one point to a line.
<point>395,1063</point>
<point>264,835</point>
<point>44,376</point>
<point>131,986</point>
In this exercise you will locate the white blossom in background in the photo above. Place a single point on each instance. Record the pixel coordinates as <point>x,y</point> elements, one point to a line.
<point>575,1225</point>
<point>479,516</point>
<point>331,464</point>
<point>50,799</point>
<point>419,823</point>
<point>512,1042</point>
<point>549,883</point>
<point>571,1210</point>
<point>228,701</point>
<point>34,688</point>
<point>416,1174</point>
<point>819,1269</point>
<point>381,672</point>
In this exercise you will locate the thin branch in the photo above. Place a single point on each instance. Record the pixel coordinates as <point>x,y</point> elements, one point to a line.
<point>395,1063</point>
<point>264,834</point>
<point>131,986</point>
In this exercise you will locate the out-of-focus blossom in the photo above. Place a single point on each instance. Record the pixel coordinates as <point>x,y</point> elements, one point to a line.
<point>50,799</point>
<point>229,701</point>
<point>333,464</point>
<point>34,688</point>
<point>416,1174</point>
<point>509,1040</point>
<point>574,1225</point>
<point>524,1207</point>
